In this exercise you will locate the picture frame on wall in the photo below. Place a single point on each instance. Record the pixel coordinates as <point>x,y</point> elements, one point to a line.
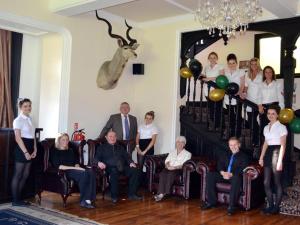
<point>244,64</point>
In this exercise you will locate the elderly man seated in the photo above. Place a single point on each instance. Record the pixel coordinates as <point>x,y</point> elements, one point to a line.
<point>229,169</point>
<point>173,165</point>
<point>115,160</point>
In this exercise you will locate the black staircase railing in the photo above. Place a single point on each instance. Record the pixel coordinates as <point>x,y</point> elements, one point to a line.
<point>230,121</point>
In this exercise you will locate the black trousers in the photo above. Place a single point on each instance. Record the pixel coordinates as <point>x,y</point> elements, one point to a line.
<point>132,173</point>
<point>86,181</point>
<point>215,177</point>
<point>166,180</point>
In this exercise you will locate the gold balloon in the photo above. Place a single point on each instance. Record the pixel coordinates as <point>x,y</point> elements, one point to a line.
<point>286,115</point>
<point>216,95</point>
<point>185,72</point>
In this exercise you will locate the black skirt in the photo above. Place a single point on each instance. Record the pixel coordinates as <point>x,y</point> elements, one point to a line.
<point>271,156</point>
<point>143,143</point>
<point>19,154</point>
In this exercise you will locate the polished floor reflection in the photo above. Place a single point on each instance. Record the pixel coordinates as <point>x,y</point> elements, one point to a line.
<point>173,211</point>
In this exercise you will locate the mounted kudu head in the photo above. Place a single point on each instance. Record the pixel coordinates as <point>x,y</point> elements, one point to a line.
<point>110,71</point>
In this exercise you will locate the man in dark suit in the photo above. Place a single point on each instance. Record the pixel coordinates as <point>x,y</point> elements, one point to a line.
<point>229,169</point>
<point>115,160</point>
<point>123,124</point>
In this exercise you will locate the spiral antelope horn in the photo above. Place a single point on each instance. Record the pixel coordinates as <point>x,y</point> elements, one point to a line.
<point>132,41</point>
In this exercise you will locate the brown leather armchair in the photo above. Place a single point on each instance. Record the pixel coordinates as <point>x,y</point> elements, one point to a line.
<point>252,193</point>
<point>181,187</point>
<point>102,179</point>
<point>55,180</point>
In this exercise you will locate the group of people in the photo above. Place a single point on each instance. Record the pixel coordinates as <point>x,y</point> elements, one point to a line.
<point>260,87</point>
<point>255,84</point>
<point>111,156</point>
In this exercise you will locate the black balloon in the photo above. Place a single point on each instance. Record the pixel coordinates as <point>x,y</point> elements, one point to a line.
<point>232,88</point>
<point>196,67</point>
<point>297,113</point>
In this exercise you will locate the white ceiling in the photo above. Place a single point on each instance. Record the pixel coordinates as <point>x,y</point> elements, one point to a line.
<point>140,11</point>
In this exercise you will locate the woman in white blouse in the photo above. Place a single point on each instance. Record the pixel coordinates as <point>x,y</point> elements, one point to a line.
<point>270,94</point>
<point>25,151</point>
<point>173,165</point>
<point>237,76</point>
<point>253,82</point>
<point>271,158</point>
<point>146,138</point>
<point>210,73</point>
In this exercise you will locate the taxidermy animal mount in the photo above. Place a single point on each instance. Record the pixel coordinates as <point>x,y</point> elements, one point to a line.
<point>110,71</point>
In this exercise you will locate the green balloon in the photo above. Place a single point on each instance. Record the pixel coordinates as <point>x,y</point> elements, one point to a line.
<point>222,81</point>
<point>295,125</point>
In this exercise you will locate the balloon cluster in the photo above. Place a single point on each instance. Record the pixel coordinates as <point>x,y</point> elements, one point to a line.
<point>223,84</point>
<point>288,116</point>
<point>194,69</point>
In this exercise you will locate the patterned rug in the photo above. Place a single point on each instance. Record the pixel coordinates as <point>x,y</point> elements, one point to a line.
<point>35,215</point>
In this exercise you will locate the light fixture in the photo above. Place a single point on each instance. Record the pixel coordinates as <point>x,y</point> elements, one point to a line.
<point>227,15</point>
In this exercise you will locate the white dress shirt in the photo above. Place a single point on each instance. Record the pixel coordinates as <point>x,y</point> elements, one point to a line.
<point>147,131</point>
<point>24,124</point>
<point>234,76</point>
<point>253,86</point>
<point>178,159</point>
<point>211,72</point>
<point>273,135</point>
<point>271,92</point>
<point>123,125</point>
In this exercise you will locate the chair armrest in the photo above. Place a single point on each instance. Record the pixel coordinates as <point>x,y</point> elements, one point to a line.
<point>157,162</point>
<point>204,166</point>
<point>253,171</point>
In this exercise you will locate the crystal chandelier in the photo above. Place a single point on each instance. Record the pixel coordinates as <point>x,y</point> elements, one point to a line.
<point>227,15</point>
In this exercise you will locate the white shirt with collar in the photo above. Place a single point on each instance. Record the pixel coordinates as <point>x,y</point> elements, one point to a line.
<point>178,159</point>
<point>253,86</point>
<point>211,72</point>
<point>273,135</point>
<point>123,125</point>
<point>233,77</point>
<point>271,92</point>
<point>24,124</point>
<point>147,131</point>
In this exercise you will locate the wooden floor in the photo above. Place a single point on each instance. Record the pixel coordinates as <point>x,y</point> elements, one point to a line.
<point>172,211</point>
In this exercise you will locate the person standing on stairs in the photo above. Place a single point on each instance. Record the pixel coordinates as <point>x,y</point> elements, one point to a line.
<point>271,158</point>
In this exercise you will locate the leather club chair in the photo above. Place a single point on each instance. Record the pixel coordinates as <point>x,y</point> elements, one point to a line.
<point>252,193</point>
<point>55,180</point>
<point>181,187</point>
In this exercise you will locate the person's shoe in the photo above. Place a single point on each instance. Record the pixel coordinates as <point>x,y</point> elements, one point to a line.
<point>114,200</point>
<point>275,210</point>
<point>20,203</point>
<point>267,210</point>
<point>159,197</point>
<point>207,206</point>
<point>230,211</point>
<point>134,197</point>
<point>84,204</point>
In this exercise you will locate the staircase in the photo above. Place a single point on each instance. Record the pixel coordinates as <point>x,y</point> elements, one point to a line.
<point>290,204</point>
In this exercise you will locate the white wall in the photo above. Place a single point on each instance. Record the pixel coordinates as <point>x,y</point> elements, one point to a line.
<point>50,84</point>
<point>30,78</point>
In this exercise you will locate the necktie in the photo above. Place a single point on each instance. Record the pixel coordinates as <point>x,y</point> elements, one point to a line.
<point>126,128</point>
<point>230,163</point>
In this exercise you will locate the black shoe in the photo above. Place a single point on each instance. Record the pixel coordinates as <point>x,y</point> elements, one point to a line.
<point>208,206</point>
<point>134,197</point>
<point>84,204</point>
<point>20,203</point>
<point>267,210</point>
<point>230,211</point>
<point>275,210</point>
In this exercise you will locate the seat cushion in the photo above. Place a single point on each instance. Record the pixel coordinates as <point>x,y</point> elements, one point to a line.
<point>223,187</point>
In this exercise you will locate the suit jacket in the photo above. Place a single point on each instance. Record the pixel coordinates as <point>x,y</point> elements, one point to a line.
<point>112,156</point>
<point>240,162</point>
<point>115,123</point>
